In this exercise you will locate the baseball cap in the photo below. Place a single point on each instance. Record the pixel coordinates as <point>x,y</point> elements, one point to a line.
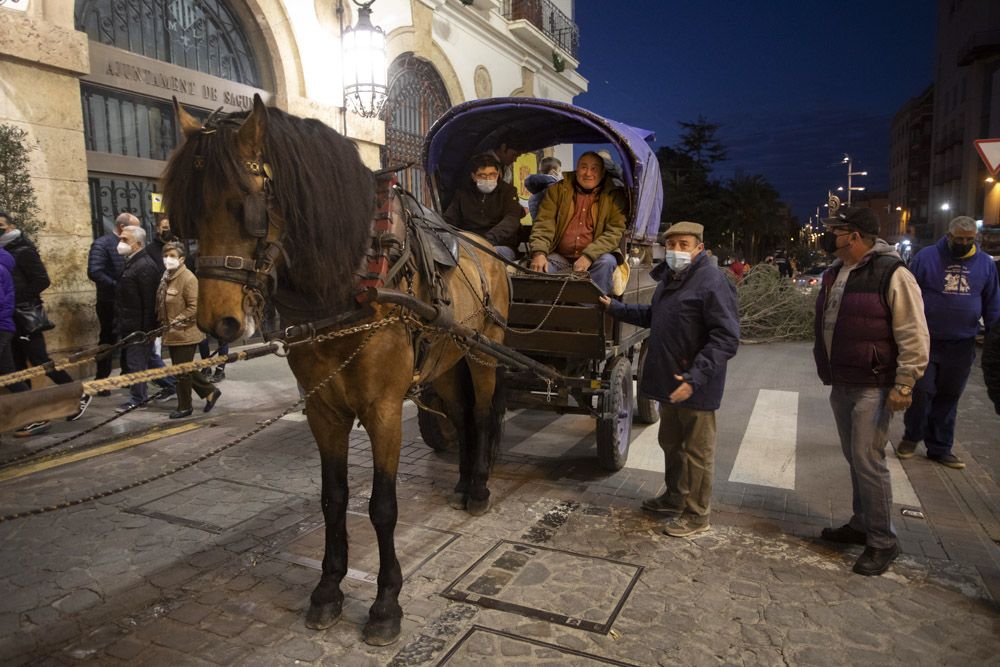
<point>862,220</point>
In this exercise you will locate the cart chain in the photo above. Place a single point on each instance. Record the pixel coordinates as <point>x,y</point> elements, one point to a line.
<point>184,466</point>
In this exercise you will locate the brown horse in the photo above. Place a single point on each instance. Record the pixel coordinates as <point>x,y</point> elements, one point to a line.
<point>284,206</point>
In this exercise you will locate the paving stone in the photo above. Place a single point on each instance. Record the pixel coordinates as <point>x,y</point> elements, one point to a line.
<point>225,625</point>
<point>191,613</point>
<point>77,601</point>
<point>126,648</point>
<point>750,589</point>
<point>298,648</point>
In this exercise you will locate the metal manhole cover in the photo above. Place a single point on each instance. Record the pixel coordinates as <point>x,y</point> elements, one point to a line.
<point>576,590</point>
<point>415,545</point>
<point>481,645</point>
<point>215,505</point>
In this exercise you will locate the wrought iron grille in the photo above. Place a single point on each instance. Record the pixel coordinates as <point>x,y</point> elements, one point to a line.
<point>417,98</point>
<point>548,18</point>
<point>124,124</point>
<point>202,35</point>
<point>114,195</point>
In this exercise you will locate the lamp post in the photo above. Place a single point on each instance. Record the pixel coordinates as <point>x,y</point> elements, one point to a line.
<point>851,173</point>
<point>363,45</point>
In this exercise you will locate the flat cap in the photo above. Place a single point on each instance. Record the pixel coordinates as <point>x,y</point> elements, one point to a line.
<point>686,228</point>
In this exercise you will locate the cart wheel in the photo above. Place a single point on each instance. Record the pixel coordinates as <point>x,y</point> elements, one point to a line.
<point>437,431</point>
<point>647,410</point>
<point>614,433</point>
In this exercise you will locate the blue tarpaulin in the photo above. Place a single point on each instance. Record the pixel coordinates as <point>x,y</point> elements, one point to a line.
<point>533,124</point>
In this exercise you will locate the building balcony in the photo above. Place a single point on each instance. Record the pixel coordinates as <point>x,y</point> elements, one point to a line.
<point>542,25</point>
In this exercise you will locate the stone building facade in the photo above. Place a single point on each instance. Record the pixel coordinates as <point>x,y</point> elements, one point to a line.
<point>91,83</point>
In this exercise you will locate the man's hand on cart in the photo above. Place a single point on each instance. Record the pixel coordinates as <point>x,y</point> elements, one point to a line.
<point>582,265</point>
<point>539,262</point>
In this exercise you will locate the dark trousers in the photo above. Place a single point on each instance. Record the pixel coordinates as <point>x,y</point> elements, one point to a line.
<point>107,336</point>
<point>32,348</point>
<point>7,361</point>
<point>182,354</point>
<point>204,347</point>
<point>931,416</point>
<point>138,358</point>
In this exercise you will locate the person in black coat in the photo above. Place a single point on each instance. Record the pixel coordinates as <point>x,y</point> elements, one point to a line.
<point>104,267</point>
<point>488,206</point>
<point>135,305</point>
<point>991,365</point>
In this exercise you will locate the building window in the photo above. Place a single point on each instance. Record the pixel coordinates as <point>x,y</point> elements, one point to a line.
<point>202,35</point>
<point>112,195</point>
<point>417,98</point>
<point>125,124</point>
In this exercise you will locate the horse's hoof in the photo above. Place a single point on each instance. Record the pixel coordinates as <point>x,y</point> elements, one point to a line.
<point>381,632</point>
<point>322,616</point>
<point>478,507</point>
<point>456,500</point>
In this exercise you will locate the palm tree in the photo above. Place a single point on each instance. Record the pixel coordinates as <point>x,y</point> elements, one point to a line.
<point>755,209</point>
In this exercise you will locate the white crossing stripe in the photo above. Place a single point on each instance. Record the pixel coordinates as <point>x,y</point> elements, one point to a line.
<point>644,453</point>
<point>767,454</point>
<point>557,437</point>
<point>409,412</point>
<point>902,490</point>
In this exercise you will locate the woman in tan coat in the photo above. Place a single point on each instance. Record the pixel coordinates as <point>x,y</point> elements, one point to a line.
<point>176,299</point>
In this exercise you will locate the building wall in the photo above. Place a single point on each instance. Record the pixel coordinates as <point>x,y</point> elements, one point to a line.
<point>43,60</point>
<point>909,170</point>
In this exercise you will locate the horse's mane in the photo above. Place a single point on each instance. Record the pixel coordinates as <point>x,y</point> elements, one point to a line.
<point>321,189</point>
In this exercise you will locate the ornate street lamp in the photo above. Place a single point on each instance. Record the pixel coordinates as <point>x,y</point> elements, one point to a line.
<point>364,64</point>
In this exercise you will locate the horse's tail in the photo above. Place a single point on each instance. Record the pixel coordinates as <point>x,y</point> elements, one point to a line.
<point>498,410</point>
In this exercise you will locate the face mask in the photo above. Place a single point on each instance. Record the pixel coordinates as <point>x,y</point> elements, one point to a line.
<point>486,186</point>
<point>166,236</point>
<point>677,260</point>
<point>828,242</point>
<point>960,250</point>
<point>171,263</point>
<point>124,248</point>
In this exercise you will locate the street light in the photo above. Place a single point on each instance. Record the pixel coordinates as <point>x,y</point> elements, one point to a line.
<point>849,161</point>
<point>946,206</point>
<point>365,89</point>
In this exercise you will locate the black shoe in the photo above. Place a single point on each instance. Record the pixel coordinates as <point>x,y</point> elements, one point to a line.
<point>181,414</point>
<point>660,505</point>
<point>164,395</point>
<point>949,460</point>
<point>128,406</point>
<point>843,535</point>
<point>905,449</point>
<point>212,400</point>
<point>218,376</point>
<point>34,428</point>
<point>84,404</point>
<point>874,562</point>
<point>104,393</point>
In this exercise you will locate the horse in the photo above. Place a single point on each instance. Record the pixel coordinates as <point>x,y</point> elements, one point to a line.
<point>283,207</point>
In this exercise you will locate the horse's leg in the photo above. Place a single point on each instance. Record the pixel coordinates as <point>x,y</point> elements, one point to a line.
<point>331,432</point>
<point>452,388</point>
<point>488,413</point>
<point>383,421</point>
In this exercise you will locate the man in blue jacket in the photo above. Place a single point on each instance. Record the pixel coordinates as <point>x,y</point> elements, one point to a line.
<point>959,285</point>
<point>694,326</point>
<point>104,267</point>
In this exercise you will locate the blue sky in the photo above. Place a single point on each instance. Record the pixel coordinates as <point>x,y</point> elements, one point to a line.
<point>794,83</point>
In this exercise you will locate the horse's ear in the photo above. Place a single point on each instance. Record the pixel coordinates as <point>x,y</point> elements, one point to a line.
<point>188,123</point>
<point>251,133</point>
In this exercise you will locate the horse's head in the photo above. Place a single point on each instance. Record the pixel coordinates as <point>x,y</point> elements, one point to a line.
<point>218,188</point>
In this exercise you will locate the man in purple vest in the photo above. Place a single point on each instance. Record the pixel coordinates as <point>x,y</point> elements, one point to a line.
<point>959,285</point>
<point>872,346</point>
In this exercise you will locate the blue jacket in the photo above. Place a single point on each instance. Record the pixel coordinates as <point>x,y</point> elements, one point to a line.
<point>6,291</point>
<point>537,184</point>
<point>695,329</point>
<point>957,292</point>
<point>105,265</point>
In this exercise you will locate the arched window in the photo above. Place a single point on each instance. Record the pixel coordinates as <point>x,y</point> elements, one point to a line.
<point>417,98</point>
<point>202,35</point>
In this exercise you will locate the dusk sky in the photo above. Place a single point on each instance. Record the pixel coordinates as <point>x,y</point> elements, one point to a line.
<point>794,83</point>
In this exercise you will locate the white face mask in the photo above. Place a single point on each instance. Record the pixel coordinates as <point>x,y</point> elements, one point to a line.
<point>677,260</point>
<point>124,248</point>
<point>171,263</point>
<point>486,186</point>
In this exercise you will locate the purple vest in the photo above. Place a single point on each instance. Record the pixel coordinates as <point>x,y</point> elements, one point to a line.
<point>864,349</point>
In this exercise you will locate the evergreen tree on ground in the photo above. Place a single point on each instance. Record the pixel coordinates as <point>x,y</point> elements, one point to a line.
<point>17,194</point>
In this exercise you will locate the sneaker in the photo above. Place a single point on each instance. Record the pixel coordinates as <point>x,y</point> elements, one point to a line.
<point>660,505</point>
<point>84,404</point>
<point>949,460</point>
<point>34,428</point>
<point>164,395</point>
<point>905,449</point>
<point>126,406</point>
<point>218,376</point>
<point>844,535</point>
<point>685,526</point>
<point>873,562</point>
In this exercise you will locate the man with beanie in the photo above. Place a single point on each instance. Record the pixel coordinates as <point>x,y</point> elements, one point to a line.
<point>694,324</point>
<point>959,285</point>
<point>871,345</point>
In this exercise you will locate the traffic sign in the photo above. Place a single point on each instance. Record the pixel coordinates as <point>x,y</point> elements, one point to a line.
<point>989,151</point>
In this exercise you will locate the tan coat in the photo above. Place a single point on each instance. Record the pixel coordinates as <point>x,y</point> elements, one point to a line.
<point>176,298</point>
<point>556,211</point>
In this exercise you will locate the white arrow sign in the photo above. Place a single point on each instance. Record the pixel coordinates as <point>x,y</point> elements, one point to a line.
<point>989,151</point>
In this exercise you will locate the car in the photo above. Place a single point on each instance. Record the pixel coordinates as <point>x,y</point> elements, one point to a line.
<point>808,281</point>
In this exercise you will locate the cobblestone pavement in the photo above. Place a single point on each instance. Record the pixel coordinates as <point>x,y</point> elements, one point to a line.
<point>213,565</point>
